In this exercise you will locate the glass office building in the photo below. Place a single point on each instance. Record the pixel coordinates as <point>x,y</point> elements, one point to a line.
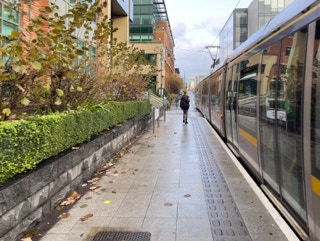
<point>151,31</point>
<point>242,23</point>
<point>141,29</point>
<point>146,13</point>
<point>261,11</point>
<point>234,32</point>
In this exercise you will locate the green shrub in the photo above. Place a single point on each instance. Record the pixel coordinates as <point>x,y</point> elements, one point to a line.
<point>25,143</point>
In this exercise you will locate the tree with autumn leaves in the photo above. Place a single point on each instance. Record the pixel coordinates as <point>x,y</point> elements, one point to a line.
<point>175,84</point>
<point>67,61</point>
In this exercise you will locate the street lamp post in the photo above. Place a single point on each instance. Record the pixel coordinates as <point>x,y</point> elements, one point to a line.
<point>161,87</point>
<point>159,50</point>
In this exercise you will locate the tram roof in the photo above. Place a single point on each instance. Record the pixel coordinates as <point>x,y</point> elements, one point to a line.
<point>294,9</point>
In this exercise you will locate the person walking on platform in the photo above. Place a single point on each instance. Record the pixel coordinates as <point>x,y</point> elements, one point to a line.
<point>184,105</point>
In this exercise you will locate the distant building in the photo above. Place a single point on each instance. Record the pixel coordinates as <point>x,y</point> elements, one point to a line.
<point>234,33</point>
<point>197,80</point>
<point>243,22</point>
<point>261,11</point>
<point>151,31</point>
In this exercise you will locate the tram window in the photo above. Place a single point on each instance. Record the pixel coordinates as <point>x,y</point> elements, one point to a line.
<point>247,98</point>
<point>268,90</point>
<point>288,119</point>
<point>215,91</point>
<point>205,92</point>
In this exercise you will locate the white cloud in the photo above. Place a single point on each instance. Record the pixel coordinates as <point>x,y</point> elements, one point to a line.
<point>196,25</point>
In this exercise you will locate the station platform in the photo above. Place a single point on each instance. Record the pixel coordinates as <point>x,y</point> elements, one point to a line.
<point>178,182</point>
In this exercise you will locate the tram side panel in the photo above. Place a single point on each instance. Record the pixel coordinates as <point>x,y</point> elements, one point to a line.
<point>266,127</point>
<point>279,139</point>
<point>205,98</point>
<point>230,111</point>
<point>284,147</point>
<point>198,90</point>
<point>216,101</point>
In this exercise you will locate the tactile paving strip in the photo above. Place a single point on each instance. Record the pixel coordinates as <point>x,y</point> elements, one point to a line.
<point>121,236</point>
<point>225,219</point>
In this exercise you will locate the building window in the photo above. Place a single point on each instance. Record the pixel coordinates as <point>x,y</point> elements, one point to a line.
<point>152,58</point>
<point>288,50</point>
<point>75,1</point>
<point>9,20</point>
<point>143,1</point>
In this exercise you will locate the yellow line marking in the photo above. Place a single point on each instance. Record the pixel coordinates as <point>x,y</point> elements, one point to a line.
<point>315,185</point>
<point>248,137</point>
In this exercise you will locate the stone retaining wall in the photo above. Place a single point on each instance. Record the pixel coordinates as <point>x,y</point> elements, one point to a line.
<point>27,200</point>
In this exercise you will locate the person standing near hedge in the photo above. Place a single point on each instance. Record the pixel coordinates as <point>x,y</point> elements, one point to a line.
<point>184,105</point>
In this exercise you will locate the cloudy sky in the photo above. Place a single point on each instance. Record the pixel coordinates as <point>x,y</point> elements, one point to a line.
<point>195,25</point>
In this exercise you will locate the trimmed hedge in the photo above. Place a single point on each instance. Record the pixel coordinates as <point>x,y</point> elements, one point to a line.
<point>25,143</point>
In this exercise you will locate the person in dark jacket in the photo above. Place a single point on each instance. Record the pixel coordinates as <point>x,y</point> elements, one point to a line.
<point>184,105</point>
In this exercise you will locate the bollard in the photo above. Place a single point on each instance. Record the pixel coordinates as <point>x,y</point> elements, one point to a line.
<point>158,120</point>
<point>164,107</point>
<point>153,118</point>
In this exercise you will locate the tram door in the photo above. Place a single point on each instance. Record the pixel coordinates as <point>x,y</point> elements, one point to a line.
<point>281,119</point>
<point>269,89</point>
<point>314,138</point>
<point>231,106</point>
<point>247,110</point>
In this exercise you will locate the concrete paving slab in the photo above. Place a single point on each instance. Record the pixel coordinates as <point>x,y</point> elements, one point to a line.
<point>180,183</point>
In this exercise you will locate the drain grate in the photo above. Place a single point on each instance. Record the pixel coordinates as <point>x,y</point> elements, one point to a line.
<point>122,236</point>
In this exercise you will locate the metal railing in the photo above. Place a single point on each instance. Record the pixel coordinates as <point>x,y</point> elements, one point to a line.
<point>157,113</point>
<point>158,108</point>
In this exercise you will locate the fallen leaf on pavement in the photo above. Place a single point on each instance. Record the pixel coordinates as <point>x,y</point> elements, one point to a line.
<point>64,215</point>
<point>60,207</point>
<point>71,199</point>
<point>29,235</point>
<point>94,180</point>
<point>86,217</point>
